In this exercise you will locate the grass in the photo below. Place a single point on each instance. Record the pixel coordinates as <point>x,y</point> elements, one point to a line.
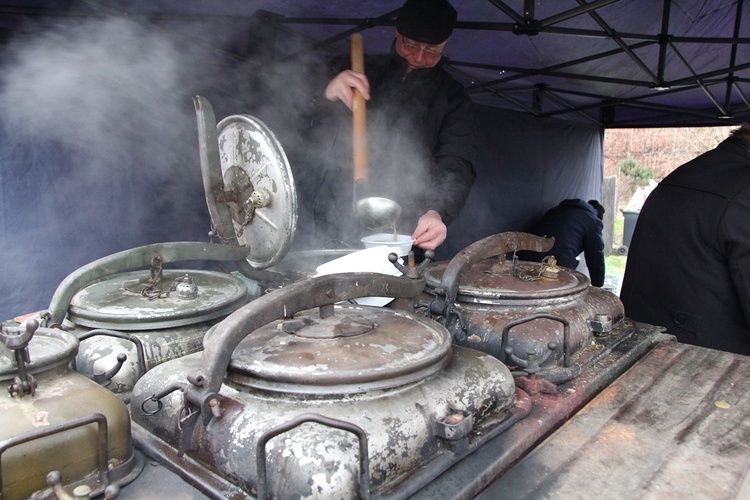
<point>615,264</point>
<point>618,228</point>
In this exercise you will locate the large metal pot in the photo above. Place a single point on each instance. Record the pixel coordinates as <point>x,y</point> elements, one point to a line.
<point>538,317</point>
<point>54,419</point>
<point>294,396</point>
<point>130,321</point>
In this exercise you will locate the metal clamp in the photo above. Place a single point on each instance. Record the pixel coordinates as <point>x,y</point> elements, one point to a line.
<point>412,269</point>
<point>17,340</point>
<point>158,396</point>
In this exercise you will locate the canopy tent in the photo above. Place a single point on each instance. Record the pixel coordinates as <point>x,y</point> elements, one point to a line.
<point>615,63</point>
<point>98,132</point>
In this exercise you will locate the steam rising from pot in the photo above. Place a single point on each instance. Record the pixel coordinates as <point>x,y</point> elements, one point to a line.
<point>99,150</point>
<point>99,141</point>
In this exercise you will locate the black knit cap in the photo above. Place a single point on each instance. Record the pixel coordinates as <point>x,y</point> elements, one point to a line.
<point>427,21</point>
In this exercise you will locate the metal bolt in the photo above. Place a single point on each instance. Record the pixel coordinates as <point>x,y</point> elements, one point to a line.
<point>215,407</point>
<point>82,492</point>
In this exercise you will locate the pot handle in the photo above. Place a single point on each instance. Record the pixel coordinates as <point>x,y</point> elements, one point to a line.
<point>359,114</point>
<point>497,244</point>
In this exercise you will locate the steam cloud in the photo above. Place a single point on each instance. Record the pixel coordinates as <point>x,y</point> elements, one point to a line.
<point>99,140</point>
<point>99,150</point>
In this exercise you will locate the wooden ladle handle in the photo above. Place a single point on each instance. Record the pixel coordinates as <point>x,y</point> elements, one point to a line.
<point>359,112</point>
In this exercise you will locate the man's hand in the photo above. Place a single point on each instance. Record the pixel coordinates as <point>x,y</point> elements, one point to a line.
<point>341,87</point>
<point>430,232</point>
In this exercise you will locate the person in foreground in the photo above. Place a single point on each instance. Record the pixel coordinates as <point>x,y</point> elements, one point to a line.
<point>577,227</point>
<point>688,266</point>
<point>422,133</point>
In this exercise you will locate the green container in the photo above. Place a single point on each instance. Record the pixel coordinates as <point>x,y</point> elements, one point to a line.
<point>64,422</point>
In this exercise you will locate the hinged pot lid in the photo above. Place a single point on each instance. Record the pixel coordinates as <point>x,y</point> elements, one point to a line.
<point>491,279</point>
<point>355,350</point>
<point>130,301</point>
<point>256,168</point>
<point>248,184</point>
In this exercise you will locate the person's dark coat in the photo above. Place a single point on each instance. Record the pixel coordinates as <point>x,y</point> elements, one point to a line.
<point>688,266</point>
<point>576,228</point>
<point>422,142</point>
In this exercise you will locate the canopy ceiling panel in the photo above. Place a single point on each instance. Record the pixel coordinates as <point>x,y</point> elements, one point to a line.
<point>615,63</point>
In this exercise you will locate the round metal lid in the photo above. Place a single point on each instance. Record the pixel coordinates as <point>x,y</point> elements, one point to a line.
<point>255,167</point>
<point>492,280</point>
<point>119,301</point>
<point>47,349</point>
<point>357,350</point>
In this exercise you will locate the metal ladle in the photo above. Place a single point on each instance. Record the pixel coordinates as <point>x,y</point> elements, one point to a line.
<point>373,212</point>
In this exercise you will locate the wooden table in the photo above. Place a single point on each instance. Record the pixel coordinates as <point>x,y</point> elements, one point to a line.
<point>676,425</point>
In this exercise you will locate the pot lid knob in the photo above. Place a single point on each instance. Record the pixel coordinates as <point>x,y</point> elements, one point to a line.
<point>186,288</point>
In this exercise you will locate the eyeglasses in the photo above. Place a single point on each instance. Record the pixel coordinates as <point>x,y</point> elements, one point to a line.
<point>412,47</point>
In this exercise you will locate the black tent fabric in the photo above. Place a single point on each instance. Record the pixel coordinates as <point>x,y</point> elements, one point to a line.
<point>526,166</point>
<point>62,208</point>
<point>615,63</point>
<point>98,140</point>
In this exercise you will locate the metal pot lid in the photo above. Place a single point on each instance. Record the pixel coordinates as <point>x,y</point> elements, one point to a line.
<point>490,279</point>
<point>356,350</point>
<point>259,184</point>
<point>181,297</point>
<point>48,348</point>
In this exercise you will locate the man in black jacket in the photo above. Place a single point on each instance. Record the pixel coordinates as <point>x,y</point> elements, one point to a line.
<point>577,227</point>
<point>422,133</point>
<point>688,264</point>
